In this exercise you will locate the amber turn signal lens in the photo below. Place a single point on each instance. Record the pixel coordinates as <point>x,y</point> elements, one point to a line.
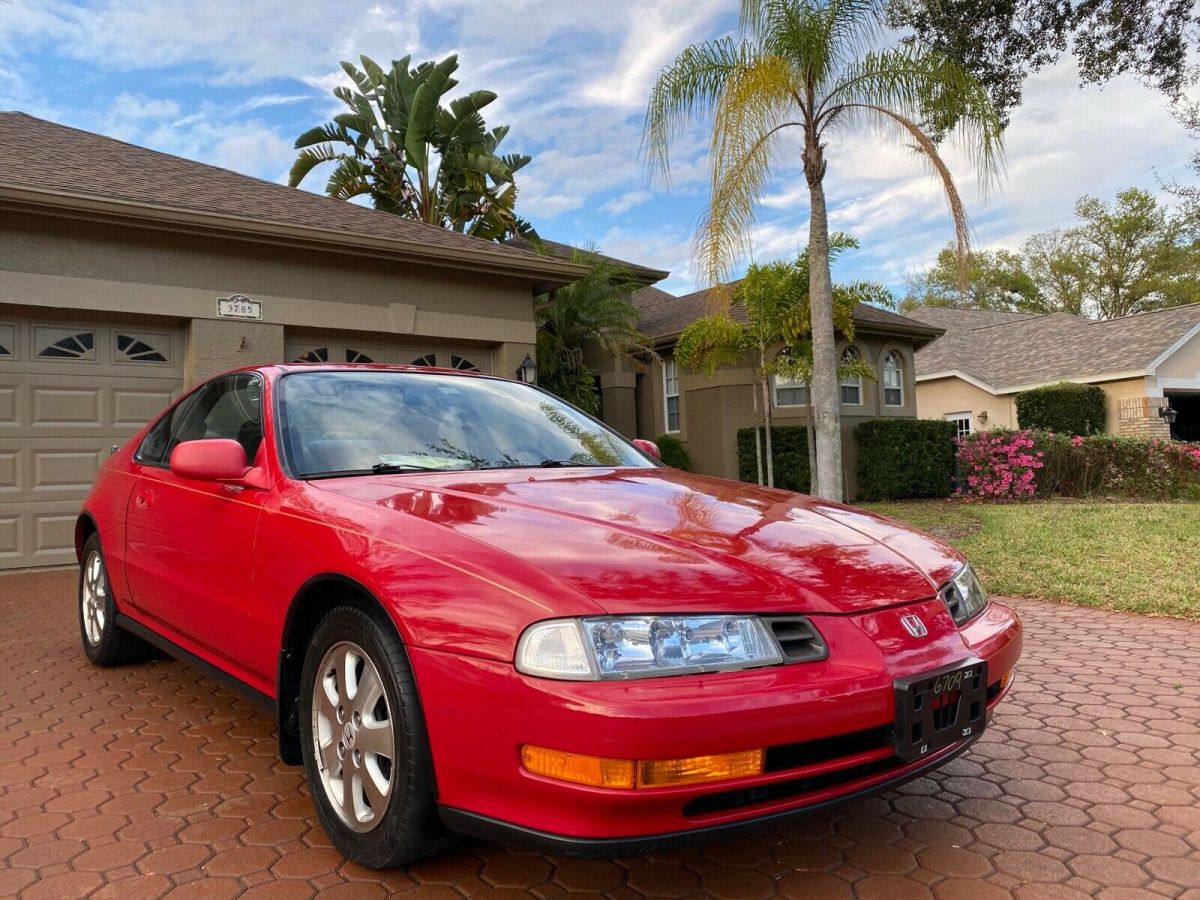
<point>578,768</point>
<point>1005,680</point>
<point>721,767</point>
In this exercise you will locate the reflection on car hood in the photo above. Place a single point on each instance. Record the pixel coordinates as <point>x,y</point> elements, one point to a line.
<point>644,540</point>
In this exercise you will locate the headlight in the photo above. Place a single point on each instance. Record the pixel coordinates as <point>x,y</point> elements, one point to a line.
<point>964,595</point>
<point>644,646</point>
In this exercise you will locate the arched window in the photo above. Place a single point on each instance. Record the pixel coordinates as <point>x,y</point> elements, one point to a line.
<point>851,387</point>
<point>429,360</point>
<point>893,380</point>
<point>463,365</point>
<point>315,355</point>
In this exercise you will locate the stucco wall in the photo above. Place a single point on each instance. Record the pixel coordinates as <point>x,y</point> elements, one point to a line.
<point>49,263</point>
<point>938,398</point>
<point>1182,365</point>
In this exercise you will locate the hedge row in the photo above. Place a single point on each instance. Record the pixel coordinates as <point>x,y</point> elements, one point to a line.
<point>1063,408</point>
<point>902,458</point>
<point>789,449</point>
<point>673,453</point>
<point>1007,464</point>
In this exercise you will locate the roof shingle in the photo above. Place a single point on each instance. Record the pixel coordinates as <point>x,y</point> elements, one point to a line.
<point>1039,349</point>
<point>45,156</point>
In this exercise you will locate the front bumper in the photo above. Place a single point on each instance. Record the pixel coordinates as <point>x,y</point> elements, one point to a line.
<point>826,726</point>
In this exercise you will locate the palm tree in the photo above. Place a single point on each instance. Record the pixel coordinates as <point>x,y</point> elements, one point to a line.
<point>772,326</point>
<point>595,310</point>
<point>398,144</point>
<point>807,67</point>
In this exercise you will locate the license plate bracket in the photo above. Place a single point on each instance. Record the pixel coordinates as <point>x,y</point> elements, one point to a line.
<point>940,707</point>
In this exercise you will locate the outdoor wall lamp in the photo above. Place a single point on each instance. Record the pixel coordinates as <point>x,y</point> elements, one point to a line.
<point>1168,413</point>
<point>527,372</point>
<point>983,417</point>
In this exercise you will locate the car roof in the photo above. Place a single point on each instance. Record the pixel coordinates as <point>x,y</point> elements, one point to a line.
<point>289,368</point>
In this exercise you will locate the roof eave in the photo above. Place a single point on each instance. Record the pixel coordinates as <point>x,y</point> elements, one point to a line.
<point>544,273</point>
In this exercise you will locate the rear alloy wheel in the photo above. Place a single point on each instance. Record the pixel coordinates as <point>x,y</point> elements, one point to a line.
<point>366,754</point>
<point>104,643</point>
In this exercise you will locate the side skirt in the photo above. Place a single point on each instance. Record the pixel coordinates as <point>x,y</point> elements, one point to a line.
<point>263,701</point>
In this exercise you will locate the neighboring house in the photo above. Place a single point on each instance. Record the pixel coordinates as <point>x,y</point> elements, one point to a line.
<point>115,260</point>
<point>1144,363</point>
<point>658,397</point>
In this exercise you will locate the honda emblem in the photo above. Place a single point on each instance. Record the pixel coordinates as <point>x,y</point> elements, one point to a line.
<point>914,626</point>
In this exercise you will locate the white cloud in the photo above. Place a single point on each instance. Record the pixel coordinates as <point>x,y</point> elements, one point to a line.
<point>626,202</point>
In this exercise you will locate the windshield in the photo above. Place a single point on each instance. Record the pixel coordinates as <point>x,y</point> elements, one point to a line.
<point>357,422</point>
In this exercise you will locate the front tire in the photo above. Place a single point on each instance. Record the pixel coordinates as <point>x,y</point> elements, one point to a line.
<point>366,753</point>
<point>104,643</point>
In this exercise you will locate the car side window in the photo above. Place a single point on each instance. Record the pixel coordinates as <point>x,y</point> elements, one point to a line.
<point>228,407</point>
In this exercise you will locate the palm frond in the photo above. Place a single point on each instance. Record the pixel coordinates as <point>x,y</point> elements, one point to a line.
<point>685,91</point>
<point>750,112</point>
<point>308,159</point>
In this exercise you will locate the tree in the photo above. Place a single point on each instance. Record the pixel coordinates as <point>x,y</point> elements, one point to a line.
<point>1054,261</point>
<point>594,310</point>
<point>772,326</point>
<point>800,66</point>
<point>995,279</point>
<point>1001,42</point>
<point>399,145</point>
<point>1134,254</point>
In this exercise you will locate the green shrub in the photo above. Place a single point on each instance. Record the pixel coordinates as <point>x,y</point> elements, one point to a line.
<point>789,446</point>
<point>1064,408</point>
<point>902,458</point>
<point>673,453</point>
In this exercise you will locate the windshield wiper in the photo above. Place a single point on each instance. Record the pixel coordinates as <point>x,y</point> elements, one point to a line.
<point>385,467</point>
<point>562,463</point>
<point>377,469</point>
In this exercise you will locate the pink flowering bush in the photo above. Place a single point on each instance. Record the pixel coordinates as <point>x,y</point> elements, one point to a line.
<point>1006,465</point>
<point>998,465</point>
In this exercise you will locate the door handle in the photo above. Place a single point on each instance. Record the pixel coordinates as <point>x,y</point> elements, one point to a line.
<point>143,499</point>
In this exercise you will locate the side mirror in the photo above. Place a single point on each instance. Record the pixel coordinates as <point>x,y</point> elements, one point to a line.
<point>649,448</point>
<point>211,459</point>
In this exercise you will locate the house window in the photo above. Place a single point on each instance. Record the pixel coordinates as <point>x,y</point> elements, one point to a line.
<point>962,421</point>
<point>671,392</point>
<point>851,387</point>
<point>790,391</point>
<point>893,380</point>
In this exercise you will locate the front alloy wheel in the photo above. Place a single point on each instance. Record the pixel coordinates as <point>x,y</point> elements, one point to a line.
<point>352,735</point>
<point>365,750</point>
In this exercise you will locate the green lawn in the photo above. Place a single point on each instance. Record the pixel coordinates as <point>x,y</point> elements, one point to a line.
<point>1143,557</point>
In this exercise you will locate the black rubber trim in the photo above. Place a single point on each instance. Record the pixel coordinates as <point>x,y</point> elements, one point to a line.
<point>263,701</point>
<point>500,832</point>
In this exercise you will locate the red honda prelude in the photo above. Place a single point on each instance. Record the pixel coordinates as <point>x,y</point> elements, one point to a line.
<point>474,609</point>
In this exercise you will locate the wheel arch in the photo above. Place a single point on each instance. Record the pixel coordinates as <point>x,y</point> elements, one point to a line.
<point>312,601</point>
<point>85,527</point>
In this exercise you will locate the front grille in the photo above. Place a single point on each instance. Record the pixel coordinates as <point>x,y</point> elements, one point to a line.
<point>798,638</point>
<point>807,753</point>
<point>712,803</point>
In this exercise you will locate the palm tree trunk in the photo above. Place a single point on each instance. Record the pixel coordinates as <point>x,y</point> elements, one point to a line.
<point>766,401</point>
<point>812,449</point>
<point>758,457</point>
<point>824,342</point>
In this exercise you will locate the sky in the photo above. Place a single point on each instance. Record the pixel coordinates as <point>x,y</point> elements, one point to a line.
<point>233,82</point>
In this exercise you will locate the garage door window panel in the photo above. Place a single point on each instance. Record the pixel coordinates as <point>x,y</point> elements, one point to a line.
<point>8,340</point>
<point>57,343</point>
<point>135,349</point>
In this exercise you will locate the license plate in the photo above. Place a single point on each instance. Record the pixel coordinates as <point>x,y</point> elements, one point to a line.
<point>938,708</point>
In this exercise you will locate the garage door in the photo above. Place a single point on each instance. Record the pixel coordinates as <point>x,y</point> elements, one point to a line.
<point>317,347</point>
<point>68,392</point>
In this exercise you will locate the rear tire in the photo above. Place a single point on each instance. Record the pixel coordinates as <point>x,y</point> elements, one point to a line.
<point>104,642</point>
<point>366,752</point>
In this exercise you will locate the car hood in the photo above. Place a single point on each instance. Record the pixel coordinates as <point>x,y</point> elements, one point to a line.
<point>662,540</point>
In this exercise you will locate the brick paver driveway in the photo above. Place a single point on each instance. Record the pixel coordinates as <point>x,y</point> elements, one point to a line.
<point>150,780</point>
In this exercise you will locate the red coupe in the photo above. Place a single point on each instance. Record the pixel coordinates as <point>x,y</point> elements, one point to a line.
<point>473,608</point>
